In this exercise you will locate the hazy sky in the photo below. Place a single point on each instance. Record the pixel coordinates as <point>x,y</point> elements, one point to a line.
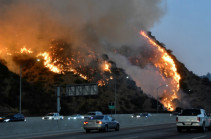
<point>186,29</point>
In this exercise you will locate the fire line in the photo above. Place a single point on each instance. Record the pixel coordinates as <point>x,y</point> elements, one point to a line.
<point>167,68</point>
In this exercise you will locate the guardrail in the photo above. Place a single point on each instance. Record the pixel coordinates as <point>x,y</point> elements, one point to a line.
<point>37,125</point>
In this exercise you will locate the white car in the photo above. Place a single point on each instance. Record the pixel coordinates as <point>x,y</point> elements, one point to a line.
<point>193,118</point>
<point>75,116</point>
<point>53,116</point>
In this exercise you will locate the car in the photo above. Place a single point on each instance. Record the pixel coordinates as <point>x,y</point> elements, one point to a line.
<point>75,116</point>
<point>101,123</point>
<point>15,118</point>
<point>193,119</point>
<point>136,115</point>
<point>146,114</point>
<point>90,114</point>
<point>53,116</point>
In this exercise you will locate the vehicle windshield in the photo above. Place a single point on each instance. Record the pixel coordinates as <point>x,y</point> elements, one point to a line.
<point>190,112</point>
<point>97,117</point>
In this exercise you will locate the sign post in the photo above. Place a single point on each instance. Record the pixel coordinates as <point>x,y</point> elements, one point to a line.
<point>111,107</point>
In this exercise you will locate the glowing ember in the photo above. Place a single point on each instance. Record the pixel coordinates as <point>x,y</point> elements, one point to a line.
<point>101,83</point>
<point>167,68</point>
<point>106,66</point>
<point>25,50</point>
<point>48,62</point>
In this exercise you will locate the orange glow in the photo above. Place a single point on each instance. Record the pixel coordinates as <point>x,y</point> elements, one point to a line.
<point>167,68</point>
<point>48,63</point>
<point>25,50</point>
<point>106,66</point>
<point>101,83</point>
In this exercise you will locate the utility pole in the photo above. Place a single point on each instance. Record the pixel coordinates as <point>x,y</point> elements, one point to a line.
<point>115,96</point>
<point>58,100</point>
<point>20,89</point>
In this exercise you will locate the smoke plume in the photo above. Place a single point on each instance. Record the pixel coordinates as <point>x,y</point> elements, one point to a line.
<point>88,25</point>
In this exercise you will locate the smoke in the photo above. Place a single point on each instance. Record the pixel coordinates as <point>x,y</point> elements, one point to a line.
<point>99,26</point>
<point>83,23</point>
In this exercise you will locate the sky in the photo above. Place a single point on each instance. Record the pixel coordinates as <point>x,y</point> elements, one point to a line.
<point>185,29</point>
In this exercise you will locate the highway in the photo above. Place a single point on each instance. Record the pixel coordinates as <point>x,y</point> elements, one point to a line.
<point>166,131</point>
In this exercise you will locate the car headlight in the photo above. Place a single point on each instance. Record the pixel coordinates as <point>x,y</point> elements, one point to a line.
<point>43,118</point>
<point>132,116</point>
<point>6,120</point>
<point>138,116</point>
<point>49,118</point>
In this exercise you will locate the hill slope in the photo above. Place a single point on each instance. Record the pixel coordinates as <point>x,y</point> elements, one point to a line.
<point>195,91</point>
<point>39,93</point>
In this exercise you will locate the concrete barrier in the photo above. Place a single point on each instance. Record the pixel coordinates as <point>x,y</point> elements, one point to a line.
<point>37,125</point>
<point>125,120</point>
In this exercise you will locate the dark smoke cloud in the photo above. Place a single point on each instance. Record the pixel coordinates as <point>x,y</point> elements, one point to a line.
<point>85,23</point>
<point>97,25</point>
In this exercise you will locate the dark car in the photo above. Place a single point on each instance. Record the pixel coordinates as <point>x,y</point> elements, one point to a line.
<point>101,123</point>
<point>14,118</point>
<point>146,114</point>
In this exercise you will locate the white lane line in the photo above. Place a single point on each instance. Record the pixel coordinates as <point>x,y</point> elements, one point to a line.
<point>199,137</point>
<point>131,137</point>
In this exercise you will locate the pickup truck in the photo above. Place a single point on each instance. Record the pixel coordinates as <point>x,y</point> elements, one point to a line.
<point>53,116</point>
<point>193,119</point>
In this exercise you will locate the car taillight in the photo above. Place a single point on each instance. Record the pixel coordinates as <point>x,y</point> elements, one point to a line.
<point>85,122</point>
<point>99,122</point>
<point>198,118</point>
<point>176,119</point>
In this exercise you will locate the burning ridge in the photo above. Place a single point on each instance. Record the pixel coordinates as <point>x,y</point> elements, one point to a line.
<point>61,58</point>
<point>168,70</point>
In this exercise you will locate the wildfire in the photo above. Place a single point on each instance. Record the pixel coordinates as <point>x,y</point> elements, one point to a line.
<point>25,50</point>
<point>167,68</point>
<point>106,66</point>
<point>48,63</point>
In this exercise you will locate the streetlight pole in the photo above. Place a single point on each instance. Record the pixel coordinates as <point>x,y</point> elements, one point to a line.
<point>115,103</point>
<point>157,94</point>
<point>38,60</point>
<point>20,89</point>
<point>115,96</point>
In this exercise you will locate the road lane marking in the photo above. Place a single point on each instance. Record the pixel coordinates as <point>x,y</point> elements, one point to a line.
<point>131,137</point>
<point>199,137</point>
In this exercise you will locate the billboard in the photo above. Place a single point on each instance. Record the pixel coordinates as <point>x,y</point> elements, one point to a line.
<point>82,90</point>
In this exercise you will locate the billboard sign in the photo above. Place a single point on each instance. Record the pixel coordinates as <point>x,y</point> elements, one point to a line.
<point>82,90</point>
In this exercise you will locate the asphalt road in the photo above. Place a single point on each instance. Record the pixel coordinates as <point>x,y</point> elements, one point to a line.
<point>167,131</point>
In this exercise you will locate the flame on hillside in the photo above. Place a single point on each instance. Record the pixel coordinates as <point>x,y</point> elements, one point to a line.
<point>57,62</point>
<point>167,69</point>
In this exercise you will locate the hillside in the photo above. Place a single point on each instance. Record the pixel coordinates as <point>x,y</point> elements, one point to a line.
<point>39,87</point>
<point>195,91</point>
<point>39,93</point>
